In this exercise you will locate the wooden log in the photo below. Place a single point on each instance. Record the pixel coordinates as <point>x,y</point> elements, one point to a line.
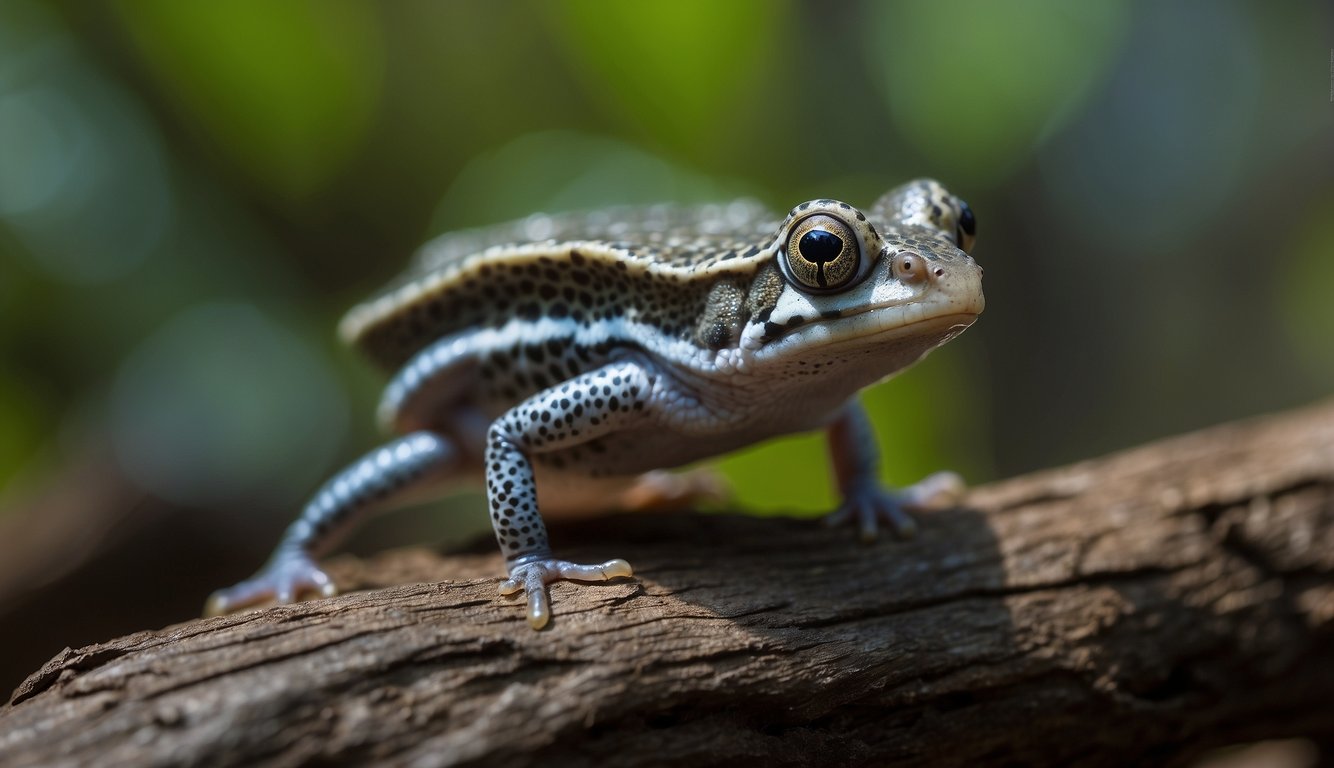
<point>1138,608</point>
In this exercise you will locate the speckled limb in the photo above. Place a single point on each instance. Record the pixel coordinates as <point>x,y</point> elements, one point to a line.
<point>419,391</point>
<point>399,471</point>
<point>584,408</point>
<point>856,458</point>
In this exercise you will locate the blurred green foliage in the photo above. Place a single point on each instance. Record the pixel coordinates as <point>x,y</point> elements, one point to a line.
<point>1305,291</point>
<point>682,73</point>
<point>976,85</point>
<point>287,89</point>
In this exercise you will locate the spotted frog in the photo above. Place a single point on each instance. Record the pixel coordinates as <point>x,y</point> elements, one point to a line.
<point>567,360</point>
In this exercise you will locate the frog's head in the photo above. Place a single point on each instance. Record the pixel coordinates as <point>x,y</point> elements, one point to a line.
<point>893,285</point>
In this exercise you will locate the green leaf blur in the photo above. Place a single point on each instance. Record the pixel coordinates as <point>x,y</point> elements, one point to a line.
<point>678,73</point>
<point>288,89</point>
<point>976,84</point>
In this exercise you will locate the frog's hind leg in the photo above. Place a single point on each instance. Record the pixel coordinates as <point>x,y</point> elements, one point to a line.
<point>412,468</point>
<point>569,497</point>
<point>443,439</point>
<point>663,490</point>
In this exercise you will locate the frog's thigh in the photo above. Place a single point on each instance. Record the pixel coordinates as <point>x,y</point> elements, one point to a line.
<point>568,497</point>
<point>663,490</point>
<point>420,393</point>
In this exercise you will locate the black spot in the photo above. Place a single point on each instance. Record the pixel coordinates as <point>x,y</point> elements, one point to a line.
<point>830,314</point>
<point>529,310</point>
<point>772,330</point>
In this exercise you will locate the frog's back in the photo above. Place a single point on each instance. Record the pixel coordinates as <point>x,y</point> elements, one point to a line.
<point>654,265</point>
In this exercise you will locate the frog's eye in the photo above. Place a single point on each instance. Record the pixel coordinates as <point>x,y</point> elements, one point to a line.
<point>822,253</point>
<point>967,230</point>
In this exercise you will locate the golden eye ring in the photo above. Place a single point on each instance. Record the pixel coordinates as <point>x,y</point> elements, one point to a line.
<point>822,254</point>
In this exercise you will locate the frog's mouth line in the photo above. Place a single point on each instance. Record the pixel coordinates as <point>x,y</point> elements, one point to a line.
<point>842,328</point>
<point>921,335</point>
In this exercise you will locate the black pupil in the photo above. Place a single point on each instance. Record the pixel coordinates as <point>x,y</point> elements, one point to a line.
<point>820,246</point>
<point>966,221</point>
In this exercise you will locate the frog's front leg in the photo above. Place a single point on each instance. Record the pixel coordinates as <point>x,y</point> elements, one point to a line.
<point>867,503</point>
<point>582,409</point>
<point>405,469</point>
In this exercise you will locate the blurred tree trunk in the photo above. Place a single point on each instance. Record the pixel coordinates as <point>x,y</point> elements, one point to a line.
<point>1138,608</point>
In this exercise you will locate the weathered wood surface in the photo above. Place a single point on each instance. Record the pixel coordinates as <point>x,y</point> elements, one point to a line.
<point>1137,608</point>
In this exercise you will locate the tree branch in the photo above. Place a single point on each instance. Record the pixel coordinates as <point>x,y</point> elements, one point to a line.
<point>1141,607</point>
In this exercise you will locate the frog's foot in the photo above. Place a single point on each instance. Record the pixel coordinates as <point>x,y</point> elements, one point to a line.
<point>286,578</point>
<point>662,490</point>
<point>534,575</point>
<point>868,505</point>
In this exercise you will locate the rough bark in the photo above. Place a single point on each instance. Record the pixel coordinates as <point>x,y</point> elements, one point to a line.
<point>1140,607</point>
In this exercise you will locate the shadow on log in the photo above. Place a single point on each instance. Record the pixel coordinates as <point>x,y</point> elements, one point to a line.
<point>1138,608</point>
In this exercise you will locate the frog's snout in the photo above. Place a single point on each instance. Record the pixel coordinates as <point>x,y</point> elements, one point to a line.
<point>955,280</point>
<point>911,268</point>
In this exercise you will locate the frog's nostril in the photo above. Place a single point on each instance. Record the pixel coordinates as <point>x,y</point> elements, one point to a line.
<point>940,271</point>
<point>909,267</point>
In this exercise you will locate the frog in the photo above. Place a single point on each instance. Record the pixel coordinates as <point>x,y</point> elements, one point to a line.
<point>569,361</point>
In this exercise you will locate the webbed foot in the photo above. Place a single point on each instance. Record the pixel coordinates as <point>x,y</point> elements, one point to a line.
<point>285,579</point>
<point>869,505</point>
<point>534,575</point>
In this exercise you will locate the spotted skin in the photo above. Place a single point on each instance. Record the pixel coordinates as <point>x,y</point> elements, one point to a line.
<point>566,359</point>
<point>576,412</point>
